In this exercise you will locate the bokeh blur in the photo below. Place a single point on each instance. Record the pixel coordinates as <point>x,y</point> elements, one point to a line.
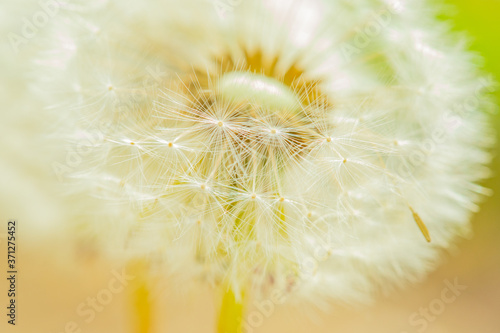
<point>461,296</point>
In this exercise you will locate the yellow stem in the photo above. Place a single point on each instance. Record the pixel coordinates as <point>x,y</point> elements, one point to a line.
<point>140,297</point>
<point>231,313</point>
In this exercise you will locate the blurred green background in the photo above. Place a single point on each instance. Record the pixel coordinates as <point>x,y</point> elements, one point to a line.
<point>480,20</point>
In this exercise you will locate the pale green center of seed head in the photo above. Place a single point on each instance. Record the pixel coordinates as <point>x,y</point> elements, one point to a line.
<point>242,87</point>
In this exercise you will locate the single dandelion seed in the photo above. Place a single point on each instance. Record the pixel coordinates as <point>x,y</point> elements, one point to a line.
<point>421,225</point>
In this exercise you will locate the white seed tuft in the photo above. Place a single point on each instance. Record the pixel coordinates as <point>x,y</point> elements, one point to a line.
<point>275,150</point>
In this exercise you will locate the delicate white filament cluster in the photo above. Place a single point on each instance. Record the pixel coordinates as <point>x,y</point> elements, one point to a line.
<point>283,144</point>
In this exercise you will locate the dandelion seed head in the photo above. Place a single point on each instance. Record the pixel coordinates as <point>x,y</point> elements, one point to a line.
<point>273,144</point>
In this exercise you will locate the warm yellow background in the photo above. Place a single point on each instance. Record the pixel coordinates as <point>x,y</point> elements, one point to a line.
<point>50,290</point>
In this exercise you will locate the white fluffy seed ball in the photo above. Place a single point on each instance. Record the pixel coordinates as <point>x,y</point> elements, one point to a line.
<point>307,146</point>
